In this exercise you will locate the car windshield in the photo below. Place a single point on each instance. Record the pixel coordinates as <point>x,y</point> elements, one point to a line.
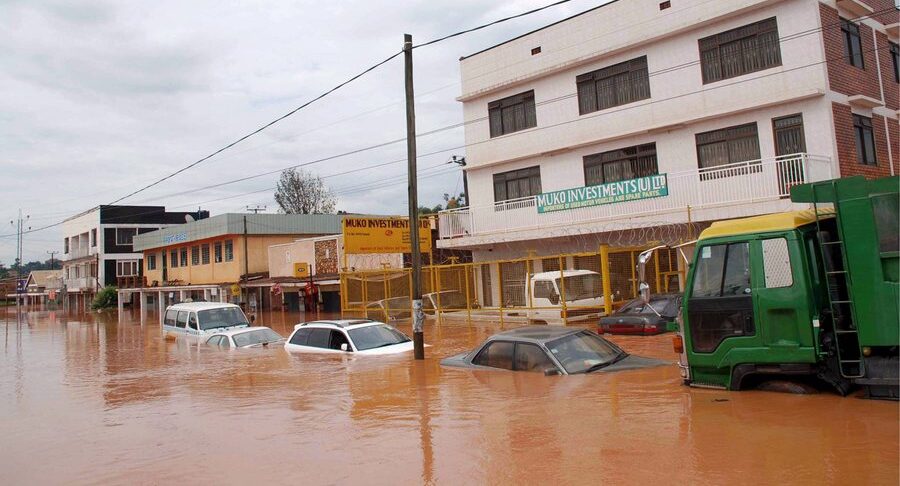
<point>256,336</point>
<point>222,317</point>
<point>583,352</point>
<point>371,337</point>
<point>578,287</point>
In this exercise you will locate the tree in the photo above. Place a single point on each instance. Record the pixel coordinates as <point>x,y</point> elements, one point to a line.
<point>454,202</point>
<point>299,192</point>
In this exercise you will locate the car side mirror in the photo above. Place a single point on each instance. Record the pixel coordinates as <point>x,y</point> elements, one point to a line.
<point>345,347</point>
<point>552,372</point>
<point>554,299</point>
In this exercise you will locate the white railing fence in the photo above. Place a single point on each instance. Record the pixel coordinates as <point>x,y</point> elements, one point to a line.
<point>732,184</point>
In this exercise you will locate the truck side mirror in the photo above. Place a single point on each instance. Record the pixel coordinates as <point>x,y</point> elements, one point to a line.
<point>344,347</point>
<point>643,288</point>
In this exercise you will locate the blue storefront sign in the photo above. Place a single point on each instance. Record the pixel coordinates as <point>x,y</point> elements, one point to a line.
<point>176,238</point>
<point>613,192</point>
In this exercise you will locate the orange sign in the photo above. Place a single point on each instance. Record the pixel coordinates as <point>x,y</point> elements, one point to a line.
<point>383,235</point>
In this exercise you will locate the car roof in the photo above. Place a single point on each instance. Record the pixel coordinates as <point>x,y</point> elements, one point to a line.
<point>341,323</point>
<point>232,332</point>
<point>536,333</point>
<point>566,273</point>
<point>198,306</point>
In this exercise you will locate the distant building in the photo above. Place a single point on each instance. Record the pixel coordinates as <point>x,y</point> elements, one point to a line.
<point>97,244</point>
<point>204,260</point>
<point>323,259</point>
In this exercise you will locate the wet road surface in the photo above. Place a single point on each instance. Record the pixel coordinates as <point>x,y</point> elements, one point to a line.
<point>87,399</point>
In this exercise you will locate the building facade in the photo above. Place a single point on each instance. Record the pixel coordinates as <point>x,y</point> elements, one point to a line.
<point>220,257</point>
<point>645,114</point>
<point>98,244</point>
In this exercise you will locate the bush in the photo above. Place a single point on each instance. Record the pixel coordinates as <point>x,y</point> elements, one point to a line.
<point>106,298</point>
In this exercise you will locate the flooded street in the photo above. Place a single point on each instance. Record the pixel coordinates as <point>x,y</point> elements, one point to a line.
<point>87,399</point>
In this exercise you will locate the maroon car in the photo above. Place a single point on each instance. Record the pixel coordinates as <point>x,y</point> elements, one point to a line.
<point>636,317</point>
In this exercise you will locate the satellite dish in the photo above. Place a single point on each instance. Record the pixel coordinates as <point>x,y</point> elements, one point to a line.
<point>188,218</point>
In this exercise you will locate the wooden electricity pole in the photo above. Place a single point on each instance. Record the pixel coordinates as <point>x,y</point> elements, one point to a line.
<point>415,251</point>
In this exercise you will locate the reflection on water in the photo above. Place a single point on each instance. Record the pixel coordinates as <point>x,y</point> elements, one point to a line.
<point>94,398</point>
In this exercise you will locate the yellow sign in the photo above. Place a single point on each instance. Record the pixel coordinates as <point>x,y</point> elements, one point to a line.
<point>301,270</point>
<point>383,235</point>
<point>235,290</point>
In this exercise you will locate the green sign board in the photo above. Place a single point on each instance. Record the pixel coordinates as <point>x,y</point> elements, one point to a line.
<point>613,192</point>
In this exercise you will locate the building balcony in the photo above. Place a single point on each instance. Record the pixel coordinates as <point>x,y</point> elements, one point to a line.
<point>133,282</point>
<point>80,252</point>
<point>80,283</point>
<point>729,191</point>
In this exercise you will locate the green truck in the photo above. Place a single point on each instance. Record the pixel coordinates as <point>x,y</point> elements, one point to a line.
<point>799,297</point>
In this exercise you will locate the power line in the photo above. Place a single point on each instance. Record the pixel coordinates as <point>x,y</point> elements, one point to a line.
<point>267,125</point>
<point>495,22</point>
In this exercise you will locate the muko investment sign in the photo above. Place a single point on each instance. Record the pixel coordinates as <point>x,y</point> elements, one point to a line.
<point>383,235</point>
<point>613,192</point>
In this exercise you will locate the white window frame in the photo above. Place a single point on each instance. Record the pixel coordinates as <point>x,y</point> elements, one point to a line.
<point>130,243</point>
<point>121,267</point>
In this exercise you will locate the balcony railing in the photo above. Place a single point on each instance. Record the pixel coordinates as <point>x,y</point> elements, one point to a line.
<point>81,283</point>
<point>133,282</point>
<point>752,181</point>
<point>79,252</point>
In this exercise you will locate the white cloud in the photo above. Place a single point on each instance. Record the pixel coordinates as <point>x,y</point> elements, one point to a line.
<point>101,97</point>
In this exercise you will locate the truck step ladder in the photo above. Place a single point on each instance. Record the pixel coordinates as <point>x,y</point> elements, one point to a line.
<point>840,300</point>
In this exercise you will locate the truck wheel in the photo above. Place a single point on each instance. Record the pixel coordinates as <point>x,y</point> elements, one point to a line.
<point>785,386</point>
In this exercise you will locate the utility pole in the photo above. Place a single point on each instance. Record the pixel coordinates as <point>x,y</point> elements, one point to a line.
<point>415,251</point>
<point>20,229</point>
<point>51,253</point>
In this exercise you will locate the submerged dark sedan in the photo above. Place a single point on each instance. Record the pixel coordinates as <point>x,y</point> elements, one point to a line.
<point>549,350</point>
<point>636,317</point>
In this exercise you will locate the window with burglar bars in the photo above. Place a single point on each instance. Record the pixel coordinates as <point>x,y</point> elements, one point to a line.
<point>740,51</point>
<point>195,255</point>
<point>852,43</point>
<point>229,250</point>
<point>895,60</point>
<point>789,135</point>
<point>616,85</point>
<point>184,261</point>
<point>204,254</point>
<point>173,261</point>
<point>728,146</point>
<point>517,183</point>
<point>620,165</point>
<point>512,114</point>
<point>865,140</point>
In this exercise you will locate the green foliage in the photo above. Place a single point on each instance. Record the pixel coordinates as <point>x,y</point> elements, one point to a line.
<point>106,298</point>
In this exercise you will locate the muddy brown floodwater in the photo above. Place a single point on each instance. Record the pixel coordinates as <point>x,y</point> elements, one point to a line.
<point>89,399</point>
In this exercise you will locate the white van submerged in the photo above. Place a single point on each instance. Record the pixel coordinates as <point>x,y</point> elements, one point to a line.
<point>583,292</point>
<point>202,318</point>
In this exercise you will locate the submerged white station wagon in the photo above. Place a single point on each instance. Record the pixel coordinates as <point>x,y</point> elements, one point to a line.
<point>358,336</point>
<point>199,319</point>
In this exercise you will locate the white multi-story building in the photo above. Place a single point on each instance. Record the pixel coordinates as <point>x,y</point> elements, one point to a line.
<point>97,244</point>
<point>642,113</point>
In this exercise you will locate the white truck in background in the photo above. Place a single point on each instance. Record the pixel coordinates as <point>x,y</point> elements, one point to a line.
<point>583,291</point>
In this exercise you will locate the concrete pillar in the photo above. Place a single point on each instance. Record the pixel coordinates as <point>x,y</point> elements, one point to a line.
<point>161,306</point>
<point>142,301</point>
<point>121,304</point>
<point>181,296</point>
<point>206,295</point>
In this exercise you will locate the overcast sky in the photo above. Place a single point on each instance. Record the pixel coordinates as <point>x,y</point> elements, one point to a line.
<point>100,98</point>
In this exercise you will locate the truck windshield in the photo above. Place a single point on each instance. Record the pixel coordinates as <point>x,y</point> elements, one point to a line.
<point>224,317</point>
<point>578,287</point>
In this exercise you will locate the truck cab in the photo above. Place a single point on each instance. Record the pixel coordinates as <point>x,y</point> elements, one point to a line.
<point>810,294</point>
<point>566,296</point>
